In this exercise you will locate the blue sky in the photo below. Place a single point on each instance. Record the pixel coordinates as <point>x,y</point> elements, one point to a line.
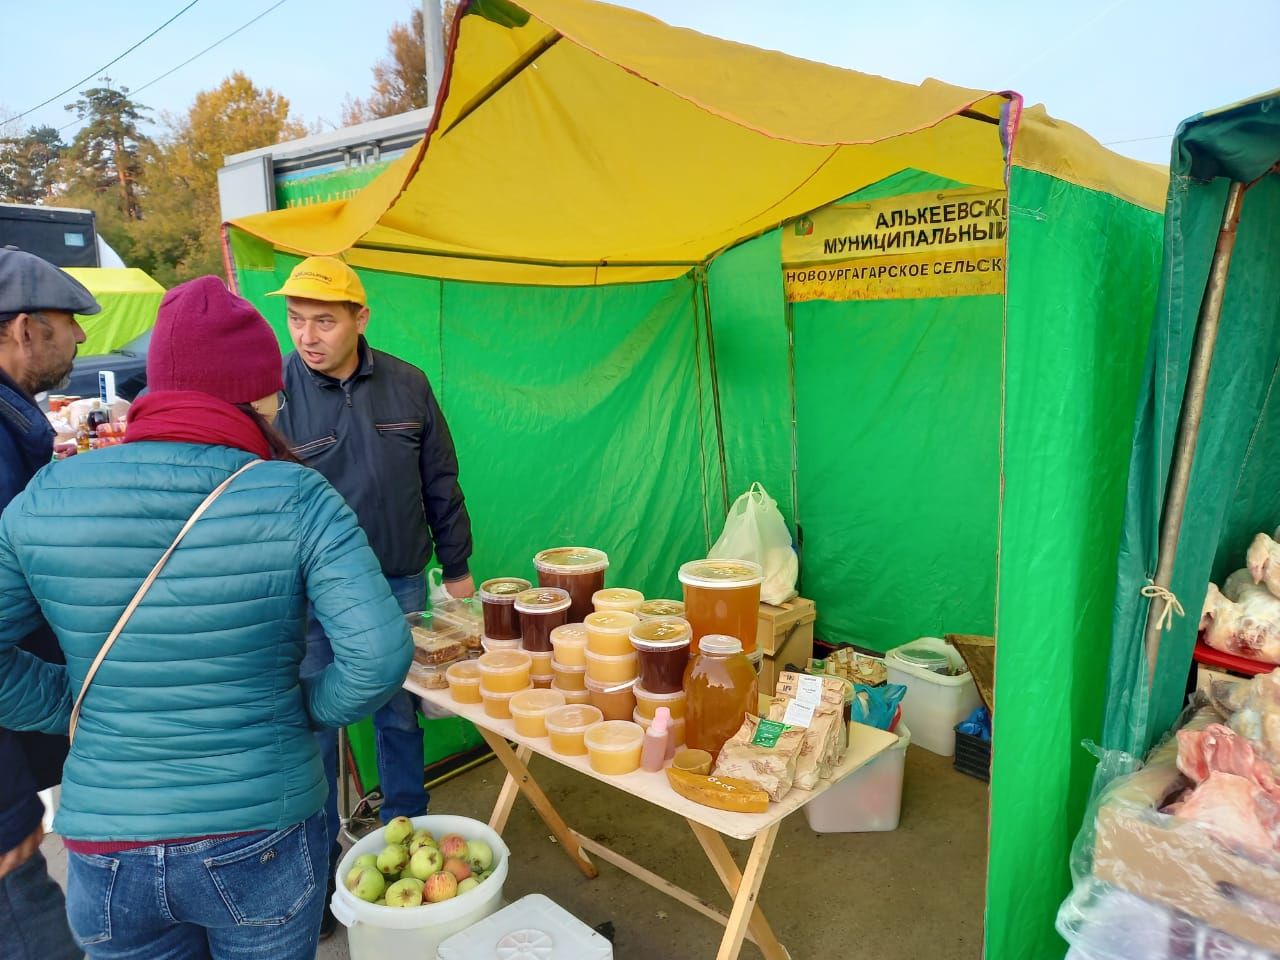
<point>1125,70</point>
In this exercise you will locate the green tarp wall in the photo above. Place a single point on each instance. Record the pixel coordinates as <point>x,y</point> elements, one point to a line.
<point>588,414</point>
<point>1234,490</point>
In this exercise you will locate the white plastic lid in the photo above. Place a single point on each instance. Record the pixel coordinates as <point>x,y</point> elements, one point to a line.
<point>721,574</point>
<point>503,589</point>
<point>571,560</point>
<point>543,600</point>
<point>718,643</point>
<point>661,608</point>
<point>534,703</point>
<point>663,633</point>
<point>573,718</point>
<point>501,662</point>
<point>610,687</point>
<point>569,634</point>
<point>559,667</point>
<point>611,621</point>
<point>618,595</point>
<point>614,736</point>
<point>643,694</point>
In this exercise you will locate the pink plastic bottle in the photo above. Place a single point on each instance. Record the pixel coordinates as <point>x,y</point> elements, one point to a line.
<point>657,741</point>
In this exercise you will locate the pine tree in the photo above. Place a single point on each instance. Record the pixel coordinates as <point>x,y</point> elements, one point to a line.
<point>107,153</point>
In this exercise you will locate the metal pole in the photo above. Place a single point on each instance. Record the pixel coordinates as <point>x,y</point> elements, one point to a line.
<point>433,41</point>
<point>1184,453</point>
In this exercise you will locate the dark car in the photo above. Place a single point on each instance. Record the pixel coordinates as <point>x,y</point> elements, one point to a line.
<point>129,364</point>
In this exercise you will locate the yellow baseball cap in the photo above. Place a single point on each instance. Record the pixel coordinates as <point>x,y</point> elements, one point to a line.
<point>323,278</point>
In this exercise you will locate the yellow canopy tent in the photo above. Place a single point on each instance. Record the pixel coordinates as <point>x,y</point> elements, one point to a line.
<point>586,253</point>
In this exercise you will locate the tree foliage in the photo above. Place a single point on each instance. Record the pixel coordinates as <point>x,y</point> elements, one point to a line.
<point>106,156</point>
<point>28,165</point>
<point>399,78</point>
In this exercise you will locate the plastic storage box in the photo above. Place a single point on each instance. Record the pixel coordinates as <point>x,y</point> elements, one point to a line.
<point>868,800</point>
<point>934,703</point>
<point>533,927</point>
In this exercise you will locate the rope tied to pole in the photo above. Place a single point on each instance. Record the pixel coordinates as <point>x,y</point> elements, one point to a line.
<point>1171,605</point>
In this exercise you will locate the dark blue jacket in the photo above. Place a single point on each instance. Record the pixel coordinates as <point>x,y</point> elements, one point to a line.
<point>381,439</point>
<point>29,762</point>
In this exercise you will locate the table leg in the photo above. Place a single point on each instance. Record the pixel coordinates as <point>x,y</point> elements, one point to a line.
<point>744,888</point>
<point>524,782</point>
<point>507,796</point>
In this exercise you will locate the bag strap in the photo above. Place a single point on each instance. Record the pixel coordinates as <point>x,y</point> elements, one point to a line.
<point>142,592</point>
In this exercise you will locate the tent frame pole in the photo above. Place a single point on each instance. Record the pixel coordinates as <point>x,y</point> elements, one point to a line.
<point>1189,420</point>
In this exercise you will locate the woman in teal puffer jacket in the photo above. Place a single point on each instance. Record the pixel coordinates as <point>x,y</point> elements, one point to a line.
<point>192,800</point>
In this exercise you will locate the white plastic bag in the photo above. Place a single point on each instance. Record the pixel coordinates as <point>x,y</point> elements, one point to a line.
<point>436,591</point>
<point>755,530</point>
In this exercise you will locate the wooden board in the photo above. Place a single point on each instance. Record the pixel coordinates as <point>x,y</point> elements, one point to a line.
<point>865,744</point>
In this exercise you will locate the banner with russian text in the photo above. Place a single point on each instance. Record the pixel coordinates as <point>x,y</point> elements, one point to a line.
<point>948,244</point>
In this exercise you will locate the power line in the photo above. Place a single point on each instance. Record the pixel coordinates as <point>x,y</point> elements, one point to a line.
<point>103,67</point>
<point>1160,136</point>
<point>216,43</point>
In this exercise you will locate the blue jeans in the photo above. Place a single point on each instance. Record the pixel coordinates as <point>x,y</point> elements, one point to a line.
<point>395,725</point>
<point>256,897</point>
<point>33,915</point>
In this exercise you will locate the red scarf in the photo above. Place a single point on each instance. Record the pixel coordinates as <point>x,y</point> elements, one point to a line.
<point>188,416</point>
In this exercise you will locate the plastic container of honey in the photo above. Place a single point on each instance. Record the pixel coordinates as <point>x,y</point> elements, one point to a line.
<point>652,609</point>
<point>622,599</point>
<point>723,597</point>
<point>542,682</point>
<point>540,665</point>
<point>663,648</point>
<point>618,669</point>
<point>615,700</point>
<point>504,671</point>
<point>609,632</point>
<point>541,610</point>
<point>720,690</point>
<point>571,696</point>
<point>464,681</point>
<point>489,645</point>
<point>580,570</point>
<point>569,678</point>
<point>497,599</point>
<point>647,703</point>
<point>570,644</point>
<point>529,709</point>
<point>676,726</point>
<point>613,746</point>
<point>497,705</point>
<point>567,727</point>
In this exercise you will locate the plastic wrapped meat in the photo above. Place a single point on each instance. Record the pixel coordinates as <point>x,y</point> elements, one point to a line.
<point>1219,749</point>
<point>1234,809</point>
<point>1252,709</point>
<point>1243,618</point>
<point>1263,560</point>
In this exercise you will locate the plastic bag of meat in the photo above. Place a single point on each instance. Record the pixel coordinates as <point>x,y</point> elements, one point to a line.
<point>1252,709</point>
<point>1243,618</point>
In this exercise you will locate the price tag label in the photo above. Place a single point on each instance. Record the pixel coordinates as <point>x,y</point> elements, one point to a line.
<point>809,691</point>
<point>798,714</point>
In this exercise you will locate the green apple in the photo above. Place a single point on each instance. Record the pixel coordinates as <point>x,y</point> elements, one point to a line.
<point>404,893</point>
<point>468,884</point>
<point>366,883</point>
<point>367,860</point>
<point>425,862</point>
<point>393,859</point>
<point>479,856</point>
<point>398,831</point>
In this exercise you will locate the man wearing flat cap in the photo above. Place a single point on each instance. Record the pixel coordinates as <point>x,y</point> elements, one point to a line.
<point>38,340</point>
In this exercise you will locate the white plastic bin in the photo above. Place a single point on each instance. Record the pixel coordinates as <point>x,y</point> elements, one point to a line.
<point>868,800</point>
<point>377,933</point>
<point>533,927</point>
<point>934,704</point>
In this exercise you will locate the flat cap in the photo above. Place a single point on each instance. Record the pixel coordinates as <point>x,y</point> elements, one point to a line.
<point>28,283</point>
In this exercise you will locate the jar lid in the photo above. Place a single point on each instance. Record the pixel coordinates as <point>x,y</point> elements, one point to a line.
<point>570,634</point>
<point>504,661</point>
<point>721,574</point>
<point>719,643</point>
<point>617,595</point>
<point>925,658</point>
<point>463,671</point>
<point>611,686</point>
<point>573,717</point>
<point>614,736</point>
<point>661,608</point>
<point>611,621</point>
<point>662,633</point>
<point>610,657</point>
<point>503,589</point>
<point>643,694</point>
<point>571,560</point>
<point>543,600</point>
<point>565,668</point>
<point>534,702</point>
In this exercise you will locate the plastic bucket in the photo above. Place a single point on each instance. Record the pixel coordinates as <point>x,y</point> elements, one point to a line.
<point>375,933</point>
<point>934,703</point>
<point>869,800</point>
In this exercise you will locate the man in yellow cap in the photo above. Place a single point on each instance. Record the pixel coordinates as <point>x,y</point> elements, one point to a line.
<point>370,423</point>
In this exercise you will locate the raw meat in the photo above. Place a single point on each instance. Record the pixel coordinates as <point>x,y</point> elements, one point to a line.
<point>1263,560</point>
<point>1219,749</point>
<point>1235,810</point>
<point>1252,709</point>
<point>1242,618</point>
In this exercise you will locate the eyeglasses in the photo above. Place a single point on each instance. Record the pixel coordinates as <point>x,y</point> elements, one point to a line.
<point>282,398</point>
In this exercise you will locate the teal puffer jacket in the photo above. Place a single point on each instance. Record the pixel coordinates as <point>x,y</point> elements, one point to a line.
<point>197,722</point>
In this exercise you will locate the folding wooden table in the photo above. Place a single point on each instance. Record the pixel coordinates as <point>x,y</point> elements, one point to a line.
<point>744,920</point>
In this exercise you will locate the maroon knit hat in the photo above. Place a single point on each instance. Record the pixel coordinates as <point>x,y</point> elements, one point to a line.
<point>208,339</point>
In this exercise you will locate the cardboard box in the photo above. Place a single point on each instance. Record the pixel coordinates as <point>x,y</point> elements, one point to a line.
<point>785,634</point>
<point>1176,862</point>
